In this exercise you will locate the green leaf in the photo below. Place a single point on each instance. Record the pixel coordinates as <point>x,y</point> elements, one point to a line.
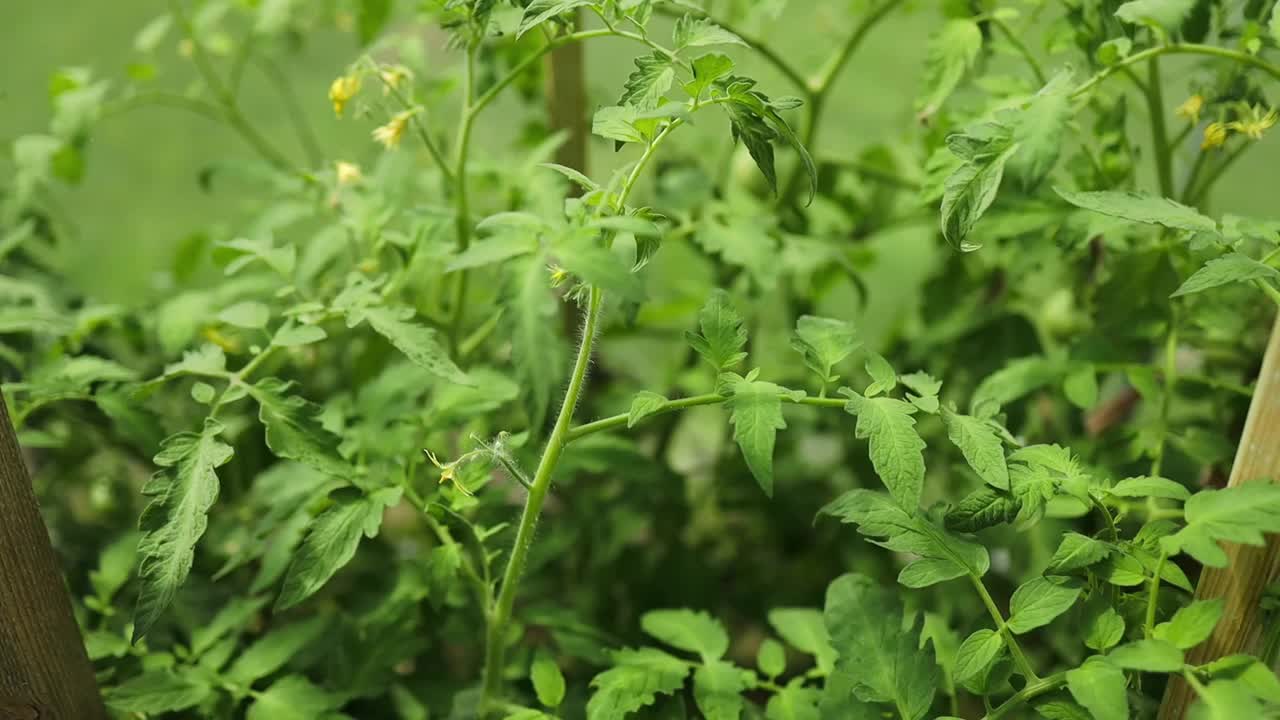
<point>502,246</point>
<point>977,653</point>
<point>771,658</point>
<point>536,347</point>
<point>540,11</point>
<point>249,314</point>
<point>756,418</point>
<point>618,123</point>
<point>331,542</point>
<point>1017,378</point>
<point>1141,208</point>
<point>1081,387</point>
<point>293,697</point>
<point>1274,24</point>
<point>291,335</point>
<point>599,266</point>
<point>1038,601</point>
<point>885,662</point>
<point>418,343</point>
<point>1231,268</point>
<point>980,443</point>
<point>636,680</point>
<point>1238,514</point>
<point>823,342</point>
<point>181,495</point>
<point>1037,128</point>
<point>1226,700</point>
<point>293,428</point>
<point>698,32</point>
<point>649,82</point>
<point>804,630</point>
<point>982,508</point>
<point>548,681</point>
<point>1077,551</point>
<point>371,18</point>
<point>883,377</point>
<point>695,632</point>
<point>1166,15</point>
<point>717,690</point>
<point>706,70</point>
<point>273,650</point>
<point>1192,624</point>
<point>897,452</point>
<point>794,702</point>
<point>758,138</point>
<point>1152,655</point>
<point>643,405</point>
<point>1104,627</point>
<point>968,193</point>
<point>723,337</point>
<point>1154,487</point>
<point>952,52</point>
<point>926,389</point>
<point>1100,687</point>
<point>942,555</point>
<point>158,691</point>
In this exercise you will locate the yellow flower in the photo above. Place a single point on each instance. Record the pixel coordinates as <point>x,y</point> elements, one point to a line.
<point>448,472</point>
<point>1215,135</point>
<point>392,77</point>
<point>1257,123</point>
<point>1191,108</point>
<point>348,173</point>
<point>558,275</point>
<point>342,90</point>
<point>389,135</point>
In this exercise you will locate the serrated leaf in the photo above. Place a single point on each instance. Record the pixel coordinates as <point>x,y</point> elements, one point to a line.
<point>968,193</point>
<point>722,336</point>
<point>270,652</point>
<point>977,653</point>
<point>177,516</point>
<point>293,697</point>
<point>649,82</point>
<point>158,691</point>
<point>756,418</point>
<point>1166,15</point>
<point>617,123</point>
<point>1238,514</point>
<point>692,631</point>
<point>643,405</point>
<point>890,526</point>
<point>717,690</point>
<point>293,428</point>
<point>696,32</point>
<point>823,342</point>
<point>897,452</point>
<point>1154,487</point>
<point>635,681</point>
<point>331,541</point>
<point>548,681</point>
<point>804,630</point>
<point>706,70</point>
<point>794,702</point>
<point>1037,128</point>
<point>883,377</point>
<point>1191,625</point>
<point>952,52</point>
<point>982,508</point>
<point>981,446</point>
<point>1077,551</point>
<point>1140,207</point>
<point>771,658</point>
<point>417,342</point>
<point>885,662</point>
<point>1100,687</point>
<point>1148,655</point>
<point>1230,268</point>
<point>1038,601</point>
<point>540,11</point>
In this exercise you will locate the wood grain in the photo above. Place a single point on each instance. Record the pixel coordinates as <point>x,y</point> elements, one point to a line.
<point>1250,568</point>
<point>44,671</point>
<point>567,103</point>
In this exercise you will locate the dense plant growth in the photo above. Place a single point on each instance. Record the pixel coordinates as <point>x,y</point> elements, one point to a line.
<point>456,431</point>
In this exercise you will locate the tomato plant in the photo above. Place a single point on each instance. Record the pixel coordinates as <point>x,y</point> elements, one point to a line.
<point>935,428</point>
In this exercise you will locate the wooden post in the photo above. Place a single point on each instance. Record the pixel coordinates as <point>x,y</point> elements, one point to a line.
<point>44,671</point>
<point>1250,568</point>
<point>567,103</point>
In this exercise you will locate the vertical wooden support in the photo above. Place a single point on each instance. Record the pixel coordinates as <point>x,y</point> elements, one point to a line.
<point>567,102</point>
<point>44,671</point>
<point>1250,568</point>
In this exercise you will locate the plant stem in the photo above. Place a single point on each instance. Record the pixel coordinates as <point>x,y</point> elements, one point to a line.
<point>1106,515</point>
<point>1021,47</point>
<point>622,420</point>
<point>1015,650</point>
<point>462,210</point>
<point>1170,383</point>
<point>1159,133</point>
<point>1149,626</point>
<point>421,127</point>
<point>1030,692</point>
<point>1177,49</point>
<point>500,613</point>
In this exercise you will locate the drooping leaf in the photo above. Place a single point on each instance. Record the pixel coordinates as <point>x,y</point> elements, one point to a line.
<point>293,428</point>
<point>1230,268</point>
<point>177,516</point>
<point>417,342</point>
<point>968,193</point>
<point>1140,207</point>
<point>942,555</point>
<point>331,542</point>
<point>952,52</point>
<point>1238,514</point>
<point>897,452</point>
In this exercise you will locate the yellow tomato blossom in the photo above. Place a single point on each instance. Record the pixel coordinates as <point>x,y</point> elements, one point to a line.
<point>558,275</point>
<point>1191,108</point>
<point>392,77</point>
<point>391,133</point>
<point>448,472</point>
<point>342,90</point>
<point>1215,135</point>
<point>1257,123</point>
<point>348,173</point>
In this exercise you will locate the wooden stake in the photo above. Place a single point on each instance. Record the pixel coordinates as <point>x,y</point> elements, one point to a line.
<point>1250,568</point>
<point>44,671</point>
<point>567,103</point>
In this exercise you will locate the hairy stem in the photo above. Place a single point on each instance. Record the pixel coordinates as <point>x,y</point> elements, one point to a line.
<point>462,210</point>
<point>1015,650</point>
<point>1159,132</point>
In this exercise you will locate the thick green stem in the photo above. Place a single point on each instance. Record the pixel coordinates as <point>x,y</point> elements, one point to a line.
<point>1159,132</point>
<point>462,209</point>
<point>1015,650</point>
<point>1153,593</point>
